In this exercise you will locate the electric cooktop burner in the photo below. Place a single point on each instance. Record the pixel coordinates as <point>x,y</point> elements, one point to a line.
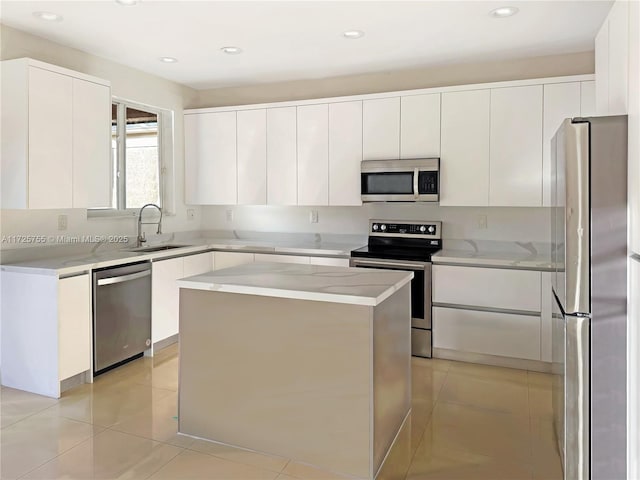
<point>401,240</point>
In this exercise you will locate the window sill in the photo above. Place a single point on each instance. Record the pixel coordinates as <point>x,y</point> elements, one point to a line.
<point>112,214</point>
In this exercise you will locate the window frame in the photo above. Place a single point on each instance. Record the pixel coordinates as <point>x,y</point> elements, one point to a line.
<point>119,180</point>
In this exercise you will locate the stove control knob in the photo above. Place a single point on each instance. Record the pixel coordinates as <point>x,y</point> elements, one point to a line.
<point>383,227</point>
<point>432,229</point>
<point>423,229</point>
<point>375,227</point>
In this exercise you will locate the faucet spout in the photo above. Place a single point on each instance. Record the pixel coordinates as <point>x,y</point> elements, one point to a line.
<point>141,238</point>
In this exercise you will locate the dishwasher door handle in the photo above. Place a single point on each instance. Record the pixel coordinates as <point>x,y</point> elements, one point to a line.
<point>123,278</point>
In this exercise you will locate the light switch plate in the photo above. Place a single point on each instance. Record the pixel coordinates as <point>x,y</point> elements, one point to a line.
<point>482,221</point>
<point>313,216</point>
<point>229,215</point>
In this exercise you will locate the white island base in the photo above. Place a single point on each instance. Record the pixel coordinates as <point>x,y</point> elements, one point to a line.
<point>321,382</point>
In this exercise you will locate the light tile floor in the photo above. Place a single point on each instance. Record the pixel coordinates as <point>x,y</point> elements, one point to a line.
<point>468,422</point>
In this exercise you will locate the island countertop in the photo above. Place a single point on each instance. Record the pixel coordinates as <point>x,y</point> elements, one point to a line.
<point>357,286</point>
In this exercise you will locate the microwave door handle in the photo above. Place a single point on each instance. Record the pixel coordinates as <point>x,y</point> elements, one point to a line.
<point>416,193</point>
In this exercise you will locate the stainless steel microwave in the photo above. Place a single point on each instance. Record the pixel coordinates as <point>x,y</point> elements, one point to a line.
<point>414,180</point>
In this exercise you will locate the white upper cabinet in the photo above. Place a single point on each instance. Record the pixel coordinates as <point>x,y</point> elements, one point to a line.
<point>612,61</point>
<point>50,139</point>
<point>464,163</point>
<point>516,148</point>
<point>92,177</point>
<point>282,176</point>
<point>420,126</point>
<point>381,129</point>
<point>56,127</point>
<point>492,141</point>
<point>252,157</point>
<point>588,99</point>
<point>210,158</point>
<point>345,153</point>
<point>561,101</point>
<point>313,154</point>
<point>618,57</point>
<point>602,69</point>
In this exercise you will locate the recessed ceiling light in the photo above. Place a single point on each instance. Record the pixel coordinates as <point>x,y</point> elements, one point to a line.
<point>168,59</point>
<point>48,16</point>
<point>353,34</point>
<point>231,50</point>
<point>503,12</point>
<point>127,3</point>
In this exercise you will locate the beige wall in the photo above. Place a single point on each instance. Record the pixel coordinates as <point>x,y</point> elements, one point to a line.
<point>462,74</point>
<point>127,83</point>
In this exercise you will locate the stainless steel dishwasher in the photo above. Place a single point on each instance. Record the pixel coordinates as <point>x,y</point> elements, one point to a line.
<point>121,314</point>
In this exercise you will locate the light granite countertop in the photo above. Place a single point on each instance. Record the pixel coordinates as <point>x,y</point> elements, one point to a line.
<point>514,255</point>
<point>358,286</point>
<point>283,244</point>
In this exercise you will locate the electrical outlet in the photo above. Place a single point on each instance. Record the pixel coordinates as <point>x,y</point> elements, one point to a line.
<point>313,216</point>
<point>482,221</point>
<point>62,222</point>
<point>229,215</point>
<point>191,214</point>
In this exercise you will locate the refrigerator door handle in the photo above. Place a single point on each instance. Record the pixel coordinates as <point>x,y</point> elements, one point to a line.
<point>577,397</point>
<point>577,209</point>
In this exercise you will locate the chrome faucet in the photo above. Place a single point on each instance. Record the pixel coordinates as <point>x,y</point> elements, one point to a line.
<point>141,237</point>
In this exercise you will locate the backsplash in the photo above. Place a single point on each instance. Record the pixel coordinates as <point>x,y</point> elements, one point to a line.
<point>503,223</point>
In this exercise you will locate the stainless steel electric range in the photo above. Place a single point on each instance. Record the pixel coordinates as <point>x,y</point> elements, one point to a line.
<point>402,245</point>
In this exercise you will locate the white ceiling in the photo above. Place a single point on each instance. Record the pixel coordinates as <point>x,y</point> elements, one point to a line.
<point>303,39</point>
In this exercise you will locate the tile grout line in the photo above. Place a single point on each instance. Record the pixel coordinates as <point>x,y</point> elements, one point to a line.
<point>277,472</point>
<point>420,440</point>
<point>164,464</point>
<point>63,452</point>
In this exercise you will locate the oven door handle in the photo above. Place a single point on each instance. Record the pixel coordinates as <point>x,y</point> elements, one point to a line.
<point>416,189</point>
<point>373,263</point>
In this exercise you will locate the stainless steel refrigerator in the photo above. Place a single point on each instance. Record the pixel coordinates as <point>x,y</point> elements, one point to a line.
<point>589,323</point>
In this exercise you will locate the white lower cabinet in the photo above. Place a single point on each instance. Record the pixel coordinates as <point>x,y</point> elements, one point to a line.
<point>165,294</point>
<point>487,287</point>
<point>329,261</point>
<point>492,311</point>
<point>74,325</point>
<point>231,259</point>
<point>489,333</point>
<point>197,264</point>
<point>269,257</point>
<point>165,297</point>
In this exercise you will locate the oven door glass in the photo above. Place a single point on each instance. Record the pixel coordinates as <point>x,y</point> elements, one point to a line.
<point>418,318</point>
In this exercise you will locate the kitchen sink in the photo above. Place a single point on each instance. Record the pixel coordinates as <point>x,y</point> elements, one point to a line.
<point>157,249</point>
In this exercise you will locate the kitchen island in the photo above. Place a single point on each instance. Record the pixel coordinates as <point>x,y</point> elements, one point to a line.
<point>307,362</point>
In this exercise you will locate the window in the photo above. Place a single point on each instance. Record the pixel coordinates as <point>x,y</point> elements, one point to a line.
<point>136,156</point>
